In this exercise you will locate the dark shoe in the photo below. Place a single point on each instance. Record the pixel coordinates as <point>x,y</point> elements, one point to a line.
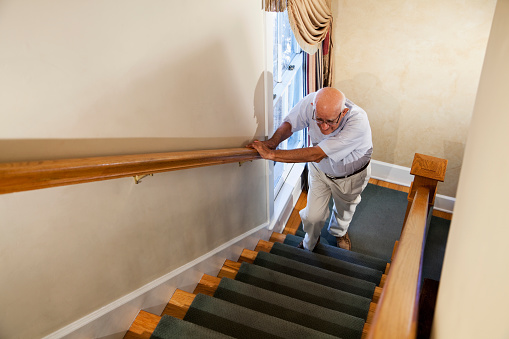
<point>344,242</point>
<point>301,244</point>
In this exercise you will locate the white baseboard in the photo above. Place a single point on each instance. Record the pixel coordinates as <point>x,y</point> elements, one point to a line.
<point>113,320</point>
<point>391,173</point>
<point>401,175</point>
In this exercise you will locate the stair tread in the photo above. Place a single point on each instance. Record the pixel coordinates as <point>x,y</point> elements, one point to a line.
<point>143,326</point>
<point>328,263</point>
<point>339,253</point>
<point>241,322</point>
<point>207,285</point>
<point>315,274</point>
<point>304,290</point>
<point>170,327</point>
<point>213,283</point>
<point>179,304</point>
<point>290,309</point>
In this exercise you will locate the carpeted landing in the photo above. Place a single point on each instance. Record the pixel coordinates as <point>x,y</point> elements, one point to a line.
<point>286,293</point>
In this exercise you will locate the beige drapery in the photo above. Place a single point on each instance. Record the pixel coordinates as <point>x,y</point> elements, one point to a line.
<point>311,23</point>
<point>310,20</point>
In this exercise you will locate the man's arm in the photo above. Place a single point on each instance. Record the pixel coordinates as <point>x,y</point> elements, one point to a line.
<point>308,154</point>
<point>281,134</point>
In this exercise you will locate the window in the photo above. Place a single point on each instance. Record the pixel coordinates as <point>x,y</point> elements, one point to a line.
<point>288,87</point>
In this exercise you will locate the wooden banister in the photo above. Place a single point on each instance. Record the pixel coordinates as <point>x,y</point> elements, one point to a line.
<point>396,315</point>
<point>397,311</point>
<point>24,176</point>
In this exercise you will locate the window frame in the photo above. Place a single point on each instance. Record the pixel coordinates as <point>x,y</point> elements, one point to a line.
<point>283,81</point>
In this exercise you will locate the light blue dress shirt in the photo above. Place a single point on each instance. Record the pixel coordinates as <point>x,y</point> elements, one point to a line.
<point>348,148</point>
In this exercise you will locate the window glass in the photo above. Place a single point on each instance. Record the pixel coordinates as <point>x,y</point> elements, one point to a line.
<point>286,41</point>
<point>288,88</point>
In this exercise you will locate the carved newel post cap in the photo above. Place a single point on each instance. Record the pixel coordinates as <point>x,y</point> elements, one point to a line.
<point>429,167</point>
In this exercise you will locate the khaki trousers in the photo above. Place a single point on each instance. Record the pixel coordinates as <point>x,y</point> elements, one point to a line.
<point>346,194</point>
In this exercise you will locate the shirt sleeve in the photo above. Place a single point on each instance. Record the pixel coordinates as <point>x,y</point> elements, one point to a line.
<point>352,136</point>
<point>299,116</point>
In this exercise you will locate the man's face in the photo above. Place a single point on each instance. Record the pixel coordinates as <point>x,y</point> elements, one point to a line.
<point>328,122</point>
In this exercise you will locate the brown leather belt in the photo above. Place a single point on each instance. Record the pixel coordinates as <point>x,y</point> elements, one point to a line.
<point>349,175</point>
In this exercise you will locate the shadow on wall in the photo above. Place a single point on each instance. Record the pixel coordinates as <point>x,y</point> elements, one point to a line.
<point>383,109</point>
<point>259,108</point>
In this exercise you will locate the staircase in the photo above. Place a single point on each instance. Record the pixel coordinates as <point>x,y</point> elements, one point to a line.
<point>275,291</point>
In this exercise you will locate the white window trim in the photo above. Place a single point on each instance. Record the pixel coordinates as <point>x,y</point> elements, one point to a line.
<point>288,76</point>
<point>281,206</point>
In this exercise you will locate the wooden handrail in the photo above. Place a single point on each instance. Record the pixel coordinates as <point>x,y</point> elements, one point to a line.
<point>397,311</point>
<point>24,176</point>
<point>396,314</point>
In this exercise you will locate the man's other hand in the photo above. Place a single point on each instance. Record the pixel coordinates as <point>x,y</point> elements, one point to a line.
<point>263,149</point>
<point>267,143</point>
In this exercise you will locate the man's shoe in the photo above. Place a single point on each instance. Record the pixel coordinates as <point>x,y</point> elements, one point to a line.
<point>344,242</point>
<point>301,244</point>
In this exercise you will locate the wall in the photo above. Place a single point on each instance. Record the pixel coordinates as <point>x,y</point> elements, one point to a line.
<point>473,289</point>
<point>414,67</point>
<point>90,78</point>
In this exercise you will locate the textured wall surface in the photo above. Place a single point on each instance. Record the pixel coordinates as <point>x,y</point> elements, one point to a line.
<point>414,66</point>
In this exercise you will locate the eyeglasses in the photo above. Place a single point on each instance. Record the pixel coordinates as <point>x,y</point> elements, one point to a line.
<point>328,122</point>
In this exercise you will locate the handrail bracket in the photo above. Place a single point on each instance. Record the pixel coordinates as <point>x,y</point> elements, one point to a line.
<point>137,178</point>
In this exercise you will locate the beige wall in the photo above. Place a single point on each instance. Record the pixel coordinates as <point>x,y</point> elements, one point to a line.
<point>162,73</point>
<point>414,66</point>
<point>86,78</point>
<point>472,300</point>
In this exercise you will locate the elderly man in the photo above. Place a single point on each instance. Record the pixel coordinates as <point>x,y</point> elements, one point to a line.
<point>339,160</point>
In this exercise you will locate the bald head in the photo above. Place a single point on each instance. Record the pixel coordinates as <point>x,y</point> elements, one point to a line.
<point>328,101</point>
<point>329,105</point>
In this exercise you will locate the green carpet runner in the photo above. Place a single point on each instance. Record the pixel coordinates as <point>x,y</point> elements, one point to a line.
<point>290,309</point>
<point>327,263</point>
<point>241,322</point>
<point>304,290</point>
<point>170,327</point>
<point>321,276</point>
<point>287,293</point>
<point>341,254</point>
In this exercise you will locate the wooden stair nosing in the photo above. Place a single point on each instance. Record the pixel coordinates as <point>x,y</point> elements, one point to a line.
<point>143,326</point>
<point>179,304</point>
<point>277,237</point>
<point>207,285</point>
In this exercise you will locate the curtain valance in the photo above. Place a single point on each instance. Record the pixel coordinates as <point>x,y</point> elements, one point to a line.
<point>310,20</point>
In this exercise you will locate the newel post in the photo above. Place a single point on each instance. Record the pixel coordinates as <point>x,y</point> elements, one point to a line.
<point>427,171</point>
